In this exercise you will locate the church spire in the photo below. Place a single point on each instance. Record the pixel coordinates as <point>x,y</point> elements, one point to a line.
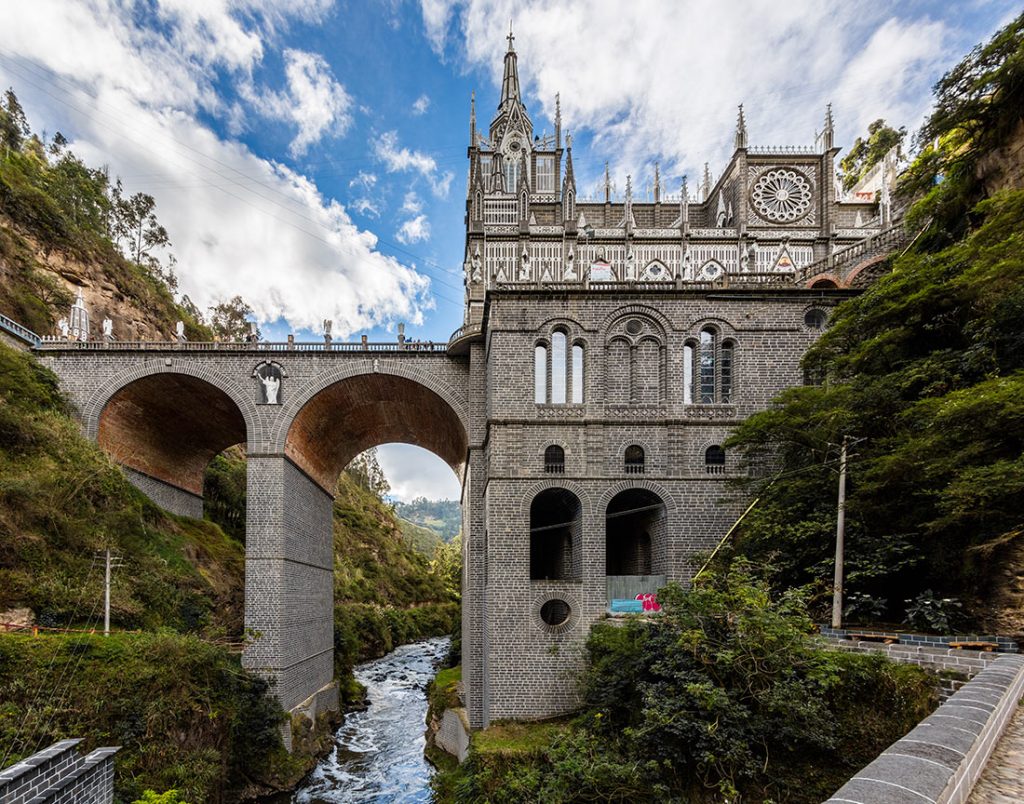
<point>558,120</point>
<point>570,179</point>
<point>657,183</point>
<point>828,135</point>
<point>607,185</point>
<point>741,130</point>
<point>510,82</point>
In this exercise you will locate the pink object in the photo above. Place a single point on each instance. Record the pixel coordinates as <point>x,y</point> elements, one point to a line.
<point>649,600</point>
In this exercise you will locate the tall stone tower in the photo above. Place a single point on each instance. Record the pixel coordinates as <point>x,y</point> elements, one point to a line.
<point>613,343</point>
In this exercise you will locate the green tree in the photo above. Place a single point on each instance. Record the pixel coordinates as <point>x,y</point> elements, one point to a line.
<point>231,319</point>
<point>366,471</point>
<point>14,128</point>
<point>866,153</point>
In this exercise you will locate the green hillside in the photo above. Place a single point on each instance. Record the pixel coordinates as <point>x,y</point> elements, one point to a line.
<point>444,517</point>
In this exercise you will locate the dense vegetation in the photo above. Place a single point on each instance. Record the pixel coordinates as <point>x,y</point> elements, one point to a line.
<point>927,367</point>
<point>444,517</point>
<point>724,696</point>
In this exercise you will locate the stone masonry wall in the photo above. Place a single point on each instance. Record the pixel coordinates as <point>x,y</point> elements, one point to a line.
<point>59,775</point>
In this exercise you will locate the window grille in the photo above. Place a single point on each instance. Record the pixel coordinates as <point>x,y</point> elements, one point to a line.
<point>707,367</point>
<point>499,211</point>
<point>545,174</point>
<point>634,460</point>
<point>554,460</point>
<point>714,460</point>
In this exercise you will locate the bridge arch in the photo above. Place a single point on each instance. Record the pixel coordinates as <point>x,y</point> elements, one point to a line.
<point>343,412</point>
<point>165,423</point>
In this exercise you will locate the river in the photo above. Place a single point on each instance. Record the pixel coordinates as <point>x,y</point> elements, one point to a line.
<point>378,754</point>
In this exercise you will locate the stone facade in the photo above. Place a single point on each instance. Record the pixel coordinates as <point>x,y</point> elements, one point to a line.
<point>608,349</point>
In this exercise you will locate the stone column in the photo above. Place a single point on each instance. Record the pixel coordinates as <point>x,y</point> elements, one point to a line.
<point>289,593</point>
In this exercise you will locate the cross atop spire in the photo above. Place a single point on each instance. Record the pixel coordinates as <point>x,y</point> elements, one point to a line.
<point>510,81</point>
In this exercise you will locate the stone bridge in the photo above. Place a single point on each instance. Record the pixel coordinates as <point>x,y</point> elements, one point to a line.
<point>303,411</point>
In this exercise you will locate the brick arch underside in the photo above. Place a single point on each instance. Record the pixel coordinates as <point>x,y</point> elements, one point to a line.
<point>365,410</point>
<point>170,426</point>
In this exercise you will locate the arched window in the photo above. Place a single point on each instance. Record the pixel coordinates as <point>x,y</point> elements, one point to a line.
<point>714,460</point>
<point>511,175</point>
<point>707,366</point>
<point>558,358</point>
<point>815,319</point>
<point>688,374</point>
<point>577,374</point>
<point>554,460</point>
<point>540,374</point>
<point>556,527</point>
<point>634,460</point>
<point>635,536</point>
<point>725,370</point>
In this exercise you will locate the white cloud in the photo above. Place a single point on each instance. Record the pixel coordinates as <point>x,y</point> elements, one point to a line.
<point>314,102</point>
<point>420,105</point>
<point>400,159</point>
<point>414,230</point>
<point>129,97</point>
<point>651,79</point>
<point>412,203</point>
<point>365,180</point>
<point>415,472</point>
<point>366,206</point>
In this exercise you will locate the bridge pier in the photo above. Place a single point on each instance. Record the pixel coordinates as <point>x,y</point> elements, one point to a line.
<point>289,583</point>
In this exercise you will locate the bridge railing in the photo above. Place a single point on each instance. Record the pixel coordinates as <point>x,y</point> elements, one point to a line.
<point>59,345</point>
<point>18,331</point>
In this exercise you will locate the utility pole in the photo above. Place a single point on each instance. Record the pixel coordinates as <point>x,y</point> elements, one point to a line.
<point>106,597</point>
<point>837,585</point>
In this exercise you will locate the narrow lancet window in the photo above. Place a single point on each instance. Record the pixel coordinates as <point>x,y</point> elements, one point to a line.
<point>540,375</point>
<point>707,367</point>
<point>577,374</point>
<point>558,358</point>
<point>688,375</point>
<point>726,371</point>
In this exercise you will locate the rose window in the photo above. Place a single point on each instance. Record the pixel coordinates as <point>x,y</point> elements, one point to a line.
<point>781,196</point>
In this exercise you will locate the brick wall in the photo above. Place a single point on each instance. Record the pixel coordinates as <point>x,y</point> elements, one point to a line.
<point>60,775</point>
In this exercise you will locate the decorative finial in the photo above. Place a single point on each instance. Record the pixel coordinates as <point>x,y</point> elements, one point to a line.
<point>607,184</point>
<point>741,130</point>
<point>558,120</point>
<point>568,140</point>
<point>511,36</point>
<point>828,135</point>
<point>472,119</point>
<point>657,183</point>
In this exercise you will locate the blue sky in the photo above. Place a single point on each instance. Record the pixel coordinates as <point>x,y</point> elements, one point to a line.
<point>310,154</point>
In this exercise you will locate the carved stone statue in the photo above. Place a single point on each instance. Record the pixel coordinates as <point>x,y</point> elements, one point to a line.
<point>179,330</point>
<point>631,266</point>
<point>108,328</point>
<point>476,276</point>
<point>524,268</point>
<point>64,327</point>
<point>570,266</point>
<point>271,387</point>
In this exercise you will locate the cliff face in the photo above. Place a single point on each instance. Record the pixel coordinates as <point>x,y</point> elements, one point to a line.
<point>1003,169</point>
<point>39,282</point>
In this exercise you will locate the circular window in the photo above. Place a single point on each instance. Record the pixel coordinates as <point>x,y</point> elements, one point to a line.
<point>555,612</point>
<point>815,319</point>
<point>711,270</point>
<point>633,326</point>
<point>781,196</point>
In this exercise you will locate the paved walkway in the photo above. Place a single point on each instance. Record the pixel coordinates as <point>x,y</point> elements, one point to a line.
<point>1002,781</point>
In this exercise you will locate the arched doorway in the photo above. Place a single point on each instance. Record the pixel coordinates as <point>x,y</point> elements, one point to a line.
<point>635,543</point>
<point>556,533</point>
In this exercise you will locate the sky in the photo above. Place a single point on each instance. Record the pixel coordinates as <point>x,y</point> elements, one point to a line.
<point>310,155</point>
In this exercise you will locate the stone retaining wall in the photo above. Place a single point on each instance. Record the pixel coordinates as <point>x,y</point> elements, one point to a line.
<point>942,757</point>
<point>1006,644</point>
